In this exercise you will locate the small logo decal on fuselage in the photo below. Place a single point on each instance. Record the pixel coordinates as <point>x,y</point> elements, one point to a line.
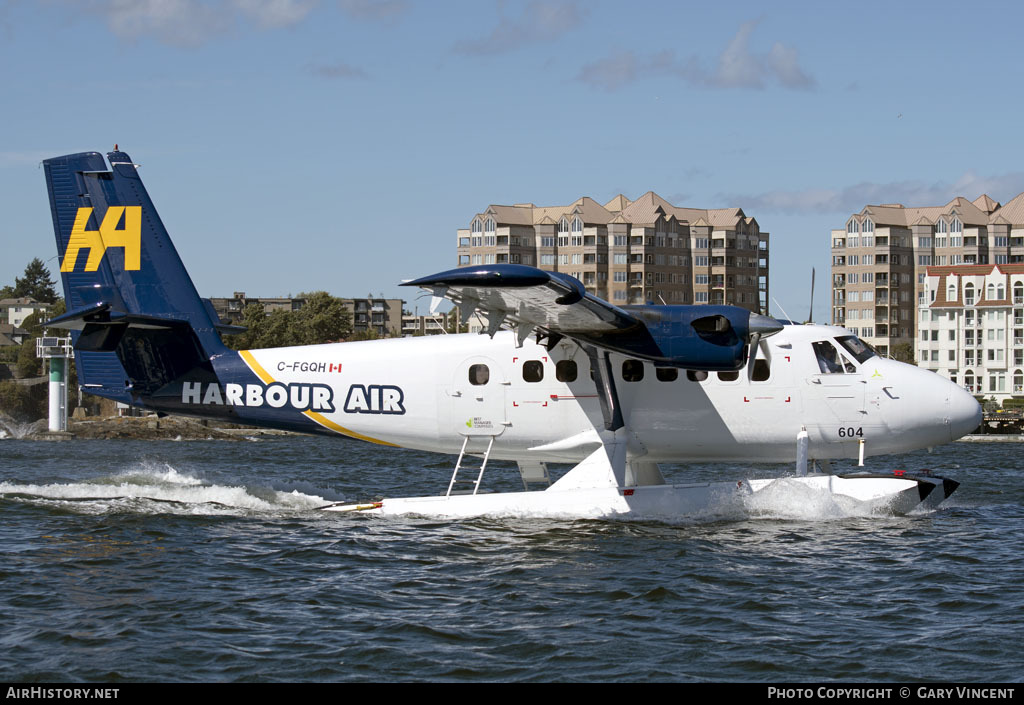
<point>300,396</point>
<point>374,399</point>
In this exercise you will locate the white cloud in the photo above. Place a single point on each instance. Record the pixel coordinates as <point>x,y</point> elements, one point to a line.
<point>540,21</point>
<point>193,22</point>
<point>612,72</point>
<point>851,199</point>
<point>376,10</point>
<point>337,70</point>
<point>275,13</point>
<point>736,67</point>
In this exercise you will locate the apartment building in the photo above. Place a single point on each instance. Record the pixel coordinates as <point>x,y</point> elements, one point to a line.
<point>880,260</point>
<point>630,252</point>
<point>429,324</point>
<point>972,327</point>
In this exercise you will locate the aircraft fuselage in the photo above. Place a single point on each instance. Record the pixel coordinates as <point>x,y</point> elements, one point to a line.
<point>429,393</point>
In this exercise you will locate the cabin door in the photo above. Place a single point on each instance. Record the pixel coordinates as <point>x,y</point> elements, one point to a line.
<point>479,393</point>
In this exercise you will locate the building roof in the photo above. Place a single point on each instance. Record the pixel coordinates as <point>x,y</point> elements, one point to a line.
<point>23,301</point>
<point>971,270</point>
<point>617,204</point>
<point>1013,211</point>
<point>645,210</point>
<point>985,204</point>
<point>982,211</point>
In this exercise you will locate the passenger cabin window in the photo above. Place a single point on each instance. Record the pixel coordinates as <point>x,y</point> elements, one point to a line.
<point>666,374</point>
<point>565,371</point>
<point>696,375</point>
<point>762,371</point>
<point>731,376</point>
<point>533,371</point>
<point>479,374</point>
<point>632,370</point>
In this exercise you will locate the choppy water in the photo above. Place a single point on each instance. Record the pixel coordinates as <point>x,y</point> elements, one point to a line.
<point>207,561</point>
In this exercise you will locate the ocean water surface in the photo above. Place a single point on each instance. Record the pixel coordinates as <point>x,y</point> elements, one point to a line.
<point>208,561</point>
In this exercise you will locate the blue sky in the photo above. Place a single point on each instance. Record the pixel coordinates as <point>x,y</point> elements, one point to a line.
<point>296,145</point>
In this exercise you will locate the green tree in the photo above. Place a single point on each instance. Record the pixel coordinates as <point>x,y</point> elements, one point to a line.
<point>904,352</point>
<point>28,363</point>
<point>322,319</point>
<point>36,283</point>
<point>19,402</point>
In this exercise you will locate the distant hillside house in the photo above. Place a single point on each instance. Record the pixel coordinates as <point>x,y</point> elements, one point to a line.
<point>15,311</point>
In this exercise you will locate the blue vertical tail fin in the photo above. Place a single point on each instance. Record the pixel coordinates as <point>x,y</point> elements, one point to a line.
<point>139,321</point>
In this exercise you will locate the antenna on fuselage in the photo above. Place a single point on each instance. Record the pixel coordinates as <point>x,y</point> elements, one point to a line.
<point>783,310</point>
<point>810,315</point>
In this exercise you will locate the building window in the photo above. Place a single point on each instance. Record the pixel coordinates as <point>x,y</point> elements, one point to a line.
<point>477,226</point>
<point>869,225</point>
<point>853,226</point>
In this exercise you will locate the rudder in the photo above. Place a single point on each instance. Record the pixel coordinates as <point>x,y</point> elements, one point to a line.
<point>128,294</point>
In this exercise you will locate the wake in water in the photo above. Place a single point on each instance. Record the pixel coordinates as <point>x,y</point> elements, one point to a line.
<point>150,488</point>
<point>159,488</point>
<point>787,499</point>
<point>9,428</point>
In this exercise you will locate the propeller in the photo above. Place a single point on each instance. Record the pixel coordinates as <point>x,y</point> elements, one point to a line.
<point>760,327</point>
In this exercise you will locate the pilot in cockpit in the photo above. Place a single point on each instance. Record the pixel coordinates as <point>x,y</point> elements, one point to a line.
<point>828,357</point>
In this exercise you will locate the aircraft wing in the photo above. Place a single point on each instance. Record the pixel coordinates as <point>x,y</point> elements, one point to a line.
<point>556,305</point>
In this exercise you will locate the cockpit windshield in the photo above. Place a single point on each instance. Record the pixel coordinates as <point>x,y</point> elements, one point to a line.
<point>860,350</point>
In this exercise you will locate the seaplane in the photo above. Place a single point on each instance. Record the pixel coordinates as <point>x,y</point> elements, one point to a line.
<point>558,376</point>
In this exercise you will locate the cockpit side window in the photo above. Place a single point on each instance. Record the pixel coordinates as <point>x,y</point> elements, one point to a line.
<point>828,357</point>
<point>860,350</point>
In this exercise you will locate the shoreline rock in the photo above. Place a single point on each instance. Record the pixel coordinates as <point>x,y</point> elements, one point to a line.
<point>147,428</point>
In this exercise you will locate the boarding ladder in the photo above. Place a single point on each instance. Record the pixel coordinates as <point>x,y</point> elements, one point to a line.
<point>459,468</point>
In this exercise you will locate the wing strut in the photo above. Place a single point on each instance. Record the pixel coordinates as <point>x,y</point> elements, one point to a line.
<point>604,380</point>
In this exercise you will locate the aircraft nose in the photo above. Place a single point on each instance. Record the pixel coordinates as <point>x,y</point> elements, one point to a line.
<point>964,412</point>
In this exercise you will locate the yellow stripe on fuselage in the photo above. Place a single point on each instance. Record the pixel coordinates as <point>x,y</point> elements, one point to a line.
<point>266,378</point>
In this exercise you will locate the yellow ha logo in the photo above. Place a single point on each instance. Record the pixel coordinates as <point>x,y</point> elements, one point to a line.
<point>130,238</point>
